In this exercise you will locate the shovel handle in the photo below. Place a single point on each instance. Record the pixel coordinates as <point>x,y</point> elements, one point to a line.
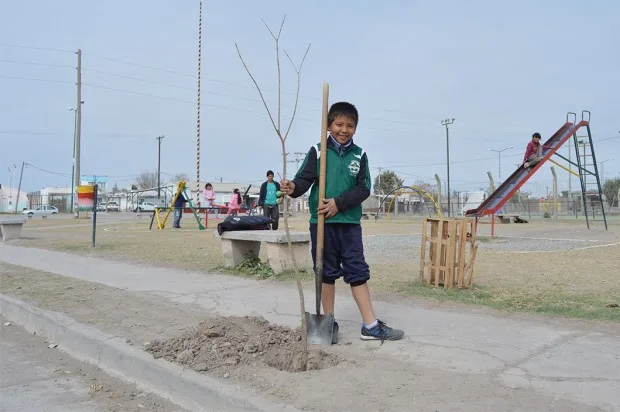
<point>320,229</point>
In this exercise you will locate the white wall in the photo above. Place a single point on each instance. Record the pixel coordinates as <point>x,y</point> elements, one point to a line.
<point>8,197</point>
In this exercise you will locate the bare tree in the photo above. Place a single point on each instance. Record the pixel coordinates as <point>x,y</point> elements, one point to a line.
<point>276,123</point>
<point>180,176</point>
<point>147,180</point>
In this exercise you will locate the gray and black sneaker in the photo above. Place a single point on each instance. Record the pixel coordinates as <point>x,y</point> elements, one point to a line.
<point>335,333</point>
<point>381,332</point>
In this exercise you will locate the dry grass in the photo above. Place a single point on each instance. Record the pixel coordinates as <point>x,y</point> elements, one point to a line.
<point>578,283</point>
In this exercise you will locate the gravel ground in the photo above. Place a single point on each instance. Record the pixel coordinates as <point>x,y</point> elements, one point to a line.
<point>381,249</point>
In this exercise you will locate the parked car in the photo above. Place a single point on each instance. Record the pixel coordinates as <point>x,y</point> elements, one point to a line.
<point>101,207</point>
<point>41,211</point>
<point>113,207</point>
<point>145,207</point>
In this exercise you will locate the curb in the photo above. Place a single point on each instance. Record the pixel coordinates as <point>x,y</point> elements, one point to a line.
<point>183,387</point>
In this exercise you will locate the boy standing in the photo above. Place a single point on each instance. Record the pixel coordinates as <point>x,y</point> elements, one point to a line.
<point>533,152</point>
<point>347,186</point>
<point>179,204</point>
<point>268,199</point>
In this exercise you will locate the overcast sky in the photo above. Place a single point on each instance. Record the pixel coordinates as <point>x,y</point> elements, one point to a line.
<point>503,70</point>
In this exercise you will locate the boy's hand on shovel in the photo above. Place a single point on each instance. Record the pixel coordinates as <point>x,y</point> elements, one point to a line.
<point>329,208</point>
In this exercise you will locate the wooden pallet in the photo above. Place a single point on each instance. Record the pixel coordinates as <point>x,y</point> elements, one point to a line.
<point>448,262</point>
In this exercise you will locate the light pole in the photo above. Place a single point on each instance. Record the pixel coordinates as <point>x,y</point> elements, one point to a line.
<point>603,169</point>
<point>499,160</point>
<point>446,123</point>
<point>71,109</point>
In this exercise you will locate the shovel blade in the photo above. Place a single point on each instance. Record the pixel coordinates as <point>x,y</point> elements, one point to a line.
<point>320,329</point>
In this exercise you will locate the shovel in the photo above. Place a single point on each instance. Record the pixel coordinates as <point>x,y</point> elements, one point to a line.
<point>321,327</point>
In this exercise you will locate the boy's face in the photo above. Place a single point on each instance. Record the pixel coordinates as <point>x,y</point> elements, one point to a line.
<point>342,129</point>
<point>270,178</point>
<point>536,139</point>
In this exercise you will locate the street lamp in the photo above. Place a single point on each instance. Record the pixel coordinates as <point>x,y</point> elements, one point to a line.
<point>446,123</point>
<point>499,159</point>
<point>603,169</point>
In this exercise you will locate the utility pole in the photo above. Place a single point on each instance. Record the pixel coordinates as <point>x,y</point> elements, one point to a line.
<point>602,177</point>
<point>159,139</point>
<point>78,119</point>
<point>73,158</point>
<point>19,187</point>
<point>446,123</point>
<point>298,157</point>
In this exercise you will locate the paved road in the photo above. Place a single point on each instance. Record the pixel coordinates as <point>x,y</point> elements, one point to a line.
<point>36,378</point>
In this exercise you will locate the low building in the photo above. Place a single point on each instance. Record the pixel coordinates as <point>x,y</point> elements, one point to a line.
<point>8,198</point>
<point>60,197</point>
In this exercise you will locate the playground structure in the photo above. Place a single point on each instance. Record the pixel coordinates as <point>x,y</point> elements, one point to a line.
<point>409,189</point>
<point>246,208</point>
<point>584,159</point>
<point>181,189</point>
<point>449,263</point>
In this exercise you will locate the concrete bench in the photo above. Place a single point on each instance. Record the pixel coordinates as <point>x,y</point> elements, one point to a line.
<point>236,245</point>
<point>11,227</point>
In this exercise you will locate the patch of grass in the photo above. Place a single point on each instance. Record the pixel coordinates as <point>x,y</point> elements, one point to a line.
<point>583,306</point>
<point>253,267</point>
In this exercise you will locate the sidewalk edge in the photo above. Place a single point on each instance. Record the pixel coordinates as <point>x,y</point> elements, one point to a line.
<point>183,387</point>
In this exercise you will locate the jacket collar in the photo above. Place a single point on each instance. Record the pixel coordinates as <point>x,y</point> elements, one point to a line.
<point>331,142</point>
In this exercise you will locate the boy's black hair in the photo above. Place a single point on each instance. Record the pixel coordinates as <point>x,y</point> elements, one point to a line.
<point>208,184</point>
<point>269,172</point>
<point>536,135</point>
<point>342,109</point>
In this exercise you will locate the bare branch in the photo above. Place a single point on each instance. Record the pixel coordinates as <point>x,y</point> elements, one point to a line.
<point>279,82</point>
<point>270,32</point>
<point>298,71</point>
<point>257,88</point>
<point>281,25</point>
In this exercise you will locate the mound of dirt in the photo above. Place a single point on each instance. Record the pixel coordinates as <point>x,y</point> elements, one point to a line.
<point>230,341</point>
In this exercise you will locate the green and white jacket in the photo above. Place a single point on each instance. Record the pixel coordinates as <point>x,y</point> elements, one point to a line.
<point>347,180</point>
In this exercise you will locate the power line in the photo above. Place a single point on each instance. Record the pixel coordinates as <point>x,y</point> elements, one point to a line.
<point>36,64</point>
<point>140,65</point>
<point>47,171</point>
<point>36,79</point>
<point>36,48</point>
<point>160,69</point>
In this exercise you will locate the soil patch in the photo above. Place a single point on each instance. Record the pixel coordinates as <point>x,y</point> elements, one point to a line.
<point>223,343</point>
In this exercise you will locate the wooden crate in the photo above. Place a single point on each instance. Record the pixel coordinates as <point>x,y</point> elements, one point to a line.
<point>444,256</point>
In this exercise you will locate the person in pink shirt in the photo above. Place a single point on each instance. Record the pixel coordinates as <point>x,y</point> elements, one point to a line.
<point>235,203</point>
<point>209,195</point>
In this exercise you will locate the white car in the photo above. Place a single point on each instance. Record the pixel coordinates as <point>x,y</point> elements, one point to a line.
<point>112,207</point>
<point>145,207</point>
<point>41,211</point>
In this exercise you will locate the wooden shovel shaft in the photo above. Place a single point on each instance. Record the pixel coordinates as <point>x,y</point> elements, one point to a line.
<point>320,229</point>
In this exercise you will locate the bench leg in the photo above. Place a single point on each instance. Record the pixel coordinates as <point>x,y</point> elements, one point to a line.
<point>9,232</point>
<point>235,251</point>
<point>280,258</point>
